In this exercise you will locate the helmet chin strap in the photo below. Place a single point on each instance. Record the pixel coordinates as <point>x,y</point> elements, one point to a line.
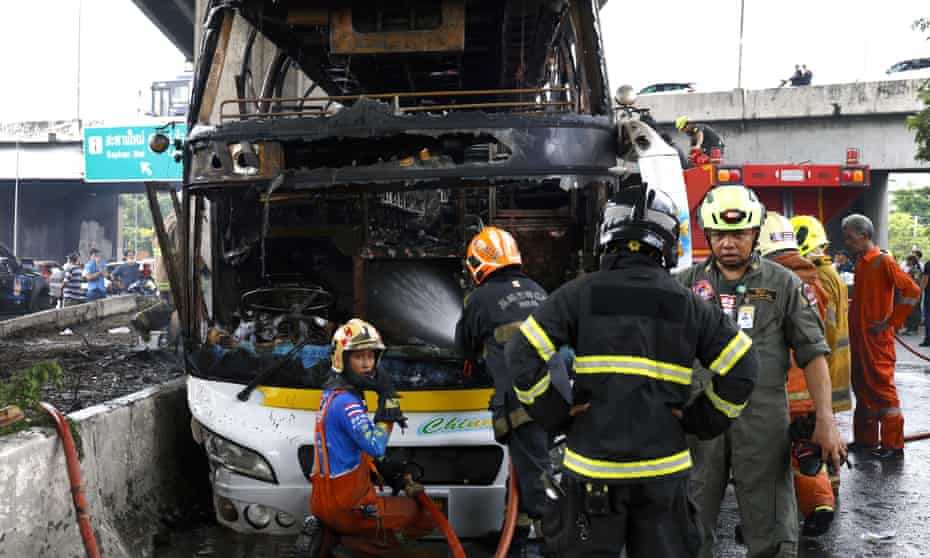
<point>358,380</point>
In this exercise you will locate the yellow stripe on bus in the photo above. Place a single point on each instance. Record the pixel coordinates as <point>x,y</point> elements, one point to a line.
<point>410,402</point>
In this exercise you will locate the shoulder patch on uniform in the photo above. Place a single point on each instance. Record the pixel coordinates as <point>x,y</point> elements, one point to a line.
<point>703,289</point>
<point>759,293</point>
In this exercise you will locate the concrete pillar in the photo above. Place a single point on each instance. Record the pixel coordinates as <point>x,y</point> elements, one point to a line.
<point>875,206</point>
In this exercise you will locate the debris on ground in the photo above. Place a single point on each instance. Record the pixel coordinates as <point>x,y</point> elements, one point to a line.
<point>67,331</point>
<point>101,360</point>
<point>11,414</point>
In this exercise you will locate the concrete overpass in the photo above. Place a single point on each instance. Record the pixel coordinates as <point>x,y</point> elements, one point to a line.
<point>813,123</point>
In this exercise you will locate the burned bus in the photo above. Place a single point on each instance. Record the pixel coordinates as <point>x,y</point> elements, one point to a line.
<point>340,156</point>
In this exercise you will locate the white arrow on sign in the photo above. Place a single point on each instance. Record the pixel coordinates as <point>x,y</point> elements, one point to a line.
<point>145,168</point>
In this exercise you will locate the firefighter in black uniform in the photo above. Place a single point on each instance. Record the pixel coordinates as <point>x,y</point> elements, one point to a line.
<point>636,333</point>
<point>493,313</point>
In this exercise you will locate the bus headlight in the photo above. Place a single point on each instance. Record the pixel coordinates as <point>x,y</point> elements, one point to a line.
<point>237,458</point>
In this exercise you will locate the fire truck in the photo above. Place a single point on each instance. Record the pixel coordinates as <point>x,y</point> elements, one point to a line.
<point>821,190</point>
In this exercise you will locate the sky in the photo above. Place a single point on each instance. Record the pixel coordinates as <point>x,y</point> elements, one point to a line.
<point>121,52</point>
<point>840,40</point>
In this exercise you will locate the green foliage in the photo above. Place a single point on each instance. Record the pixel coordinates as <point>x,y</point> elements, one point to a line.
<point>920,122</point>
<point>914,201</point>
<point>904,234</point>
<point>24,388</point>
<point>138,228</point>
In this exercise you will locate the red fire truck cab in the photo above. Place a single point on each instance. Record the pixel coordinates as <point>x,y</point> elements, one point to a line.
<point>821,190</point>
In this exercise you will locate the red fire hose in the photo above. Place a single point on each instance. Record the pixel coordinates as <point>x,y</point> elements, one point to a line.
<point>455,545</point>
<point>510,520</point>
<point>510,516</point>
<point>911,349</point>
<point>74,475</point>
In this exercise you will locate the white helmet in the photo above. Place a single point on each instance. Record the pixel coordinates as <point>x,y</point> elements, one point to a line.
<point>777,234</point>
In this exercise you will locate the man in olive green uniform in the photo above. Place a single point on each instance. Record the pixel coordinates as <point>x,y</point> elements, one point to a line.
<point>767,302</point>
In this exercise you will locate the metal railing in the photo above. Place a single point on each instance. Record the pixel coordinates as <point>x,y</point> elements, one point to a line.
<point>544,99</point>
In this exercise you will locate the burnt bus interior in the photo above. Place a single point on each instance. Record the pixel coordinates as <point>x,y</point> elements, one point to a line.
<point>342,154</point>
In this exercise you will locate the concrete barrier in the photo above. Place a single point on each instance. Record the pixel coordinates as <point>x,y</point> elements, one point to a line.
<point>139,463</point>
<point>63,317</point>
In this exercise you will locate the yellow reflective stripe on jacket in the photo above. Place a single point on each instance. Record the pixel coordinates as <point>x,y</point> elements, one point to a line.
<point>639,366</point>
<point>731,410</point>
<point>528,396</point>
<point>799,395</point>
<point>650,468</point>
<point>538,338</point>
<point>731,354</point>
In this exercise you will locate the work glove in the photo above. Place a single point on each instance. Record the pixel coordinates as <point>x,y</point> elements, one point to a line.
<point>389,411</point>
<point>388,401</point>
<point>393,474</point>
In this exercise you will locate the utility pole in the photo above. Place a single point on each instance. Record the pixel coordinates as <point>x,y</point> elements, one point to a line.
<point>16,206</point>
<point>78,80</point>
<point>739,69</point>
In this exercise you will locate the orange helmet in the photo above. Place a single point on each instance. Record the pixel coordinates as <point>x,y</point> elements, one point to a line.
<point>490,250</point>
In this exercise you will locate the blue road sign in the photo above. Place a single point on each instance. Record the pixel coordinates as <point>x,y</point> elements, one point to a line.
<point>123,154</point>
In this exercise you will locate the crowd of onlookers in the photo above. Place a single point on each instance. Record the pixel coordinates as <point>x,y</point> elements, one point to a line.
<point>95,279</point>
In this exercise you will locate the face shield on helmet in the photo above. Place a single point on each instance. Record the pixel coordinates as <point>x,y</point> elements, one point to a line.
<point>355,335</point>
<point>809,234</point>
<point>490,250</point>
<point>731,208</point>
<point>641,218</point>
<point>776,235</point>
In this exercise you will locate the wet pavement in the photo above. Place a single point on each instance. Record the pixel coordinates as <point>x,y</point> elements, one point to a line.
<point>883,507</point>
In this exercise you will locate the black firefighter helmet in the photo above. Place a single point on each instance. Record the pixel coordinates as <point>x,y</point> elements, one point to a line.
<point>641,219</point>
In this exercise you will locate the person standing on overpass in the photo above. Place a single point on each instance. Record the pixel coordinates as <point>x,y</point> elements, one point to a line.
<point>883,296</point>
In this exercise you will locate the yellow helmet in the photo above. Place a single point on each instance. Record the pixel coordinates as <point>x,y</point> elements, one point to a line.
<point>355,335</point>
<point>731,208</point>
<point>777,234</point>
<point>681,122</point>
<point>809,233</point>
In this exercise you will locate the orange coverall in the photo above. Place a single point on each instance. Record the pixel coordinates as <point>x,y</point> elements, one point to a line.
<point>883,292</point>
<point>349,505</point>
<point>815,492</point>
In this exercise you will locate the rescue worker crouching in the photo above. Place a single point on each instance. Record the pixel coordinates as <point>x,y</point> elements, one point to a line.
<point>636,333</point>
<point>706,143</point>
<point>767,302</point>
<point>812,486</point>
<point>347,449</point>
<point>493,312</point>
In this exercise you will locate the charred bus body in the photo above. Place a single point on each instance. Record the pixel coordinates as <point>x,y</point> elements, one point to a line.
<point>340,156</point>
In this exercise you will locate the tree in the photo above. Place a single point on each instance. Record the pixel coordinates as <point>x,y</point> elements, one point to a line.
<point>920,122</point>
<point>904,233</point>
<point>138,229</point>
<point>913,202</point>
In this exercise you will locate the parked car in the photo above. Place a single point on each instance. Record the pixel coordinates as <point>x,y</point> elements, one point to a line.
<point>668,88</point>
<point>21,289</point>
<point>915,68</point>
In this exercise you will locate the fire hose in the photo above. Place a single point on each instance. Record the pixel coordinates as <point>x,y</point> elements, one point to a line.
<point>74,476</point>
<point>510,520</point>
<point>911,349</point>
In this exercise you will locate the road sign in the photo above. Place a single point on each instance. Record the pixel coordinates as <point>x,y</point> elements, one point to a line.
<point>123,154</point>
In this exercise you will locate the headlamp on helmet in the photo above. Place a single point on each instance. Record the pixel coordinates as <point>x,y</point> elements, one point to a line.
<point>731,208</point>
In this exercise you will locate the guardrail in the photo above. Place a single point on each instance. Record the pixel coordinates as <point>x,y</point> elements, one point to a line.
<point>561,99</point>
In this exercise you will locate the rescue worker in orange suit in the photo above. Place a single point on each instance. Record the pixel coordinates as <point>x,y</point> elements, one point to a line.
<point>883,296</point>
<point>812,486</point>
<point>636,333</point>
<point>767,302</point>
<point>812,242</point>
<point>348,448</point>
<point>493,312</point>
